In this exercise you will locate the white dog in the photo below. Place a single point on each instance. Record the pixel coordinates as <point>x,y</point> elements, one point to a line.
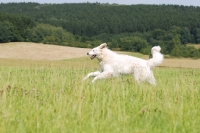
<point>113,64</point>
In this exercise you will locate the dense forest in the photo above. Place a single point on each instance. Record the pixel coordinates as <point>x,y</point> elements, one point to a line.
<point>124,27</point>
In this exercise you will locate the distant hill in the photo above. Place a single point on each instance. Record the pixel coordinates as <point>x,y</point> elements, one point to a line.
<point>134,28</point>
<point>92,19</point>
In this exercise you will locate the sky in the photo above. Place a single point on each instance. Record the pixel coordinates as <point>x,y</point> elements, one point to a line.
<point>126,2</point>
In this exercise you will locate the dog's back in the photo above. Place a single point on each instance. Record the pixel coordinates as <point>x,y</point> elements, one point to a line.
<point>120,63</point>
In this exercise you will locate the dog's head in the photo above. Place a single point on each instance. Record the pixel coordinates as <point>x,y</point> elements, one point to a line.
<point>97,51</point>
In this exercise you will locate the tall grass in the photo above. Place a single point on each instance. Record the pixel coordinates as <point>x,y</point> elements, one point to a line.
<point>50,97</point>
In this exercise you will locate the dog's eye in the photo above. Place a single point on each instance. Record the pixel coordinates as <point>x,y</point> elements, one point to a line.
<point>93,50</point>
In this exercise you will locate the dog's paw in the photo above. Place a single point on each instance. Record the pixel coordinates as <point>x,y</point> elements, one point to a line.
<point>93,81</point>
<point>85,78</point>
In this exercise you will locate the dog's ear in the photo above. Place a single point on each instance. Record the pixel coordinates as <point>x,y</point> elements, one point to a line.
<point>103,45</point>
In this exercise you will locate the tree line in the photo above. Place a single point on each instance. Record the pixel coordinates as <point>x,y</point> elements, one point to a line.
<point>123,27</point>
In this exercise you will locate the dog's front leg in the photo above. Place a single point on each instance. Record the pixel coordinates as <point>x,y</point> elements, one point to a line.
<point>92,74</point>
<point>104,74</point>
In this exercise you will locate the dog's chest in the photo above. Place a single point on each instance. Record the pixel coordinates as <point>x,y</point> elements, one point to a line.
<point>101,64</point>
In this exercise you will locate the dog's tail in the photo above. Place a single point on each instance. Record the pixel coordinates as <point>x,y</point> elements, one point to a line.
<point>157,58</point>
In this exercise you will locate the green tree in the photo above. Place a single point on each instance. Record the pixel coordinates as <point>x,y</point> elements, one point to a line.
<point>185,35</point>
<point>6,32</point>
<point>197,35</point>
<point>49,34</point>
<point>133,43</point>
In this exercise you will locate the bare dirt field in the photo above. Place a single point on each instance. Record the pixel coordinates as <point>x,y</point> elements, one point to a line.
<point>181,63</point>
<point>197,46</point>
<point>35,51</point>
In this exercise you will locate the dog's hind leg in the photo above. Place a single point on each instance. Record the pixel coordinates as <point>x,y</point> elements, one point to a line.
<point>151,79</point>
<point>92,74</point>
<point>140,75</point>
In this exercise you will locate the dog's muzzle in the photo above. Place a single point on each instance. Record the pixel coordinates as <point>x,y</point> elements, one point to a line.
<point>92,56</point>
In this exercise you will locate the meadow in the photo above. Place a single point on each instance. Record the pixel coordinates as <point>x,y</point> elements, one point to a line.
<point>50,97</point>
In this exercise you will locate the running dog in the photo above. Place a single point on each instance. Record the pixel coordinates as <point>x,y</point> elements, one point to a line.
<point>113,64</point>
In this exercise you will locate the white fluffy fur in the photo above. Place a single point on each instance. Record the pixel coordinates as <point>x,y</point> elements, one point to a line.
<point>113,64</point>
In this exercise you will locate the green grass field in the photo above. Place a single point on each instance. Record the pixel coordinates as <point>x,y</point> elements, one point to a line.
<point>50,97</point>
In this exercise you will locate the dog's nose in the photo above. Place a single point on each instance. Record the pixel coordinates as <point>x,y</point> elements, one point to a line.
<point>87,53</point>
